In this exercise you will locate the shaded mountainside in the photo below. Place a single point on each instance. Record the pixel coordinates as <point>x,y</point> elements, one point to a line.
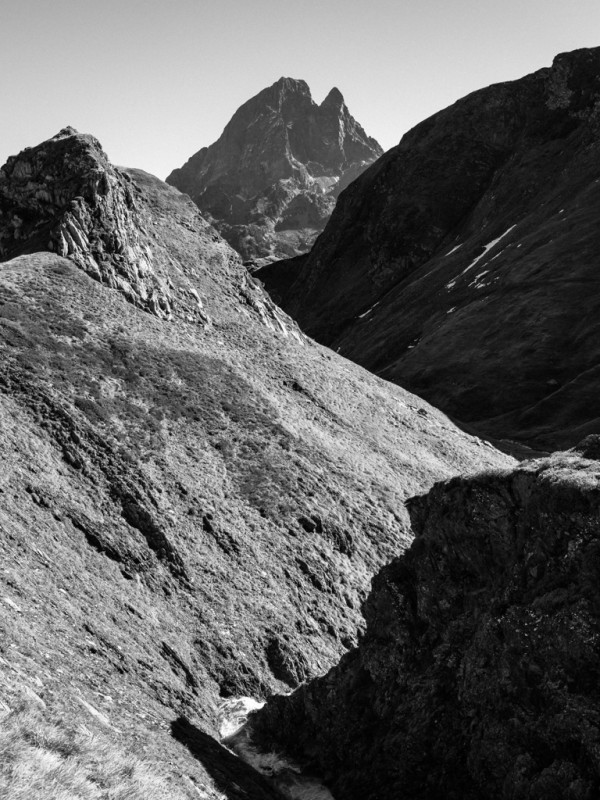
<point>194,496</point>
<point>477,677</point>
<point>463,264</point>
<point>270,182</point>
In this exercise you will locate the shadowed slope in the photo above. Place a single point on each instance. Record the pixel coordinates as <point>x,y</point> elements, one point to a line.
<point>463,264</point>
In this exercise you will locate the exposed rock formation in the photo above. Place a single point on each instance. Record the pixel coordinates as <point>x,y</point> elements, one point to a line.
<point>463,264</point>
<point>188,512</point>
<point>477,678</point>
<point>270,182</point>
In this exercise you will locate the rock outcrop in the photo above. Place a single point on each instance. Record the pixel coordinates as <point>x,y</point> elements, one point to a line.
<point>64,196</point>
<point>477,678</point>
<point>270,182</point>
<point>189,511</point>
<point>462,264</point>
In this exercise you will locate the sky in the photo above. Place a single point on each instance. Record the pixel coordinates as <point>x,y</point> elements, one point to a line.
<point>156,80</point>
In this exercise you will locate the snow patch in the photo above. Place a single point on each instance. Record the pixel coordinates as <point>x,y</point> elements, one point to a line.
<point>476,282</point>
<point>368,311</point>
<point>234,714</point>
<point>451,310</point>
<point>454,249</point>
<point>486,250</point>
<point>236,734</point>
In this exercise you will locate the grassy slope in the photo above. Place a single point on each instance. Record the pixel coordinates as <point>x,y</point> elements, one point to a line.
<point>154,477</point>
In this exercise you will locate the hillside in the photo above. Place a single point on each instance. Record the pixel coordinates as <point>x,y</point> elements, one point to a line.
<point>463,264</point>
<point>194,495</point>
<point>477,677</point>
<point>270,182</point>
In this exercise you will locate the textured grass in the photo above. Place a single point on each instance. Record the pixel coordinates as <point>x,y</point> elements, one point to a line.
<point>50,760</point>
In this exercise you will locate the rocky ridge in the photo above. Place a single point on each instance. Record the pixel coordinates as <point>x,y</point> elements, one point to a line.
<point>477,676</point>
<point>462,264</point>
<point>64,196</point>
<point>270,182</point>
<point>191,504</point>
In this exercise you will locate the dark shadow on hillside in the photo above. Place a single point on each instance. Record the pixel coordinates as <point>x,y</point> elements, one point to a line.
<point>232,776</point>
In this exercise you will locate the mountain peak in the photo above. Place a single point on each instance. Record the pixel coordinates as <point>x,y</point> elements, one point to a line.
<point>334,98</point>
<point>292,85</point>
<point>271,180</point>
<point>67,131</point>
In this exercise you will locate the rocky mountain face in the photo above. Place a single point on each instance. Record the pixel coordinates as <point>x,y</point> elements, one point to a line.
<point>194,496</point>
<point>270,182</point>
<point>477,676</point>
<point>64,196</point>
<point>462,264</point>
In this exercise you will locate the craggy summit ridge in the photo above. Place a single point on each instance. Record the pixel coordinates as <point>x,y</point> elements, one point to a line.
<point>463,264</point>
<point>270,182</point>
<point>64,196</point>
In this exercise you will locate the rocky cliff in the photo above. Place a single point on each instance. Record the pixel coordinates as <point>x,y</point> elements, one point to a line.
<point>193,496</point>
<point>462,264</point>
<point>270,182</point>
<point>477,678</point>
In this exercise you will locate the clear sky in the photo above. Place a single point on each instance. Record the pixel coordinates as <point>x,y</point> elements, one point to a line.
<point>155,80</point>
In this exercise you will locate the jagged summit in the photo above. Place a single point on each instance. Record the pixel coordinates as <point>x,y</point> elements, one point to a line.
<point>69,130</point>
<point>284,90</point>
<point>291,85</point>
<point>334,98</point>
<point>271,180</point>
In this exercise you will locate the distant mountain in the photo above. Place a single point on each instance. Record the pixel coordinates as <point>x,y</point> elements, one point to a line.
<point>477,677</point>
<point>463,265</point>
<point>270,182</point>
<point>193,495</point>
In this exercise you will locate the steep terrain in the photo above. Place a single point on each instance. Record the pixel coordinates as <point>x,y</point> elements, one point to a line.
<point>194,496</point>
<point>478,675</point>
<point>463,264</point>
<point>270,182</point>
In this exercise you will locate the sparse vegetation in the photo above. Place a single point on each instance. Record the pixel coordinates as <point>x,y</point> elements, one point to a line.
<point>42,758</point>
